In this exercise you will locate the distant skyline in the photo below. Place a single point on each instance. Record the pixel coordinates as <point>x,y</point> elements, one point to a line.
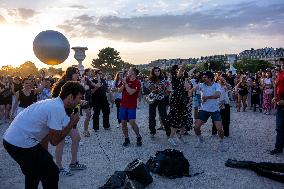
<point>141,31</point>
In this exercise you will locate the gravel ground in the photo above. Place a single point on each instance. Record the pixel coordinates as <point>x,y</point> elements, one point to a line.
<point>252,135</point>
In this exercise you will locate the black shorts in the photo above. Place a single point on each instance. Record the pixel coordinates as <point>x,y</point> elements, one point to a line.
<point>6,100</point>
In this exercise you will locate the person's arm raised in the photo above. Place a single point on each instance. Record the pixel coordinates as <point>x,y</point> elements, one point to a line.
<point>181,69</point>
<point>40,88</point>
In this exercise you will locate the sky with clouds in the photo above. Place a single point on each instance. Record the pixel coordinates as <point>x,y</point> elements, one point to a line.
<point>142,30</point>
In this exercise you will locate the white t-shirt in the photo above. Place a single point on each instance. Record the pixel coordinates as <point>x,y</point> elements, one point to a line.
<point>267,81</point>
<point>211,105</point>
<point>33,123</point>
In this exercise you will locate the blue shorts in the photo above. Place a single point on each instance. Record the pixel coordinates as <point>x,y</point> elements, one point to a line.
<point>204,115</point>
<point>127,113</point>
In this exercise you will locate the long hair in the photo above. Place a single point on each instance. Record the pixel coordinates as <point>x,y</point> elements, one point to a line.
<point>117,78</point>
<point>86,71</point>
<point>174,70</point>
<point>67,76</point>
<point>153,77</point>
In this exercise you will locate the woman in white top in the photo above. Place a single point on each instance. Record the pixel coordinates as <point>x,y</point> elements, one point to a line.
<point>224,103</point>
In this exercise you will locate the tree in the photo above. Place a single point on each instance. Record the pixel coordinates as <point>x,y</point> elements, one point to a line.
<point>252,65</point>
<point>109,60</point>
<point>7,70</point>
<point>28,68</point>
<point>215,65</point>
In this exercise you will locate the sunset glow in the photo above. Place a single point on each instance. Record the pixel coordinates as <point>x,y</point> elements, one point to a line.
<point>141,32</point>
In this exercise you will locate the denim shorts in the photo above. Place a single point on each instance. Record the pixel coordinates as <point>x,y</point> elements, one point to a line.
<point>196,103</point>
<point>127,113</point>
<point>204,115</point>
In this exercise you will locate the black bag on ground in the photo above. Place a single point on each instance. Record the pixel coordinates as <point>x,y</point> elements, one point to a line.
<point>138,171</point>
<point>117,180</point>
<point>132,184</point>
<point>273,171</point>
<point>170,163</point>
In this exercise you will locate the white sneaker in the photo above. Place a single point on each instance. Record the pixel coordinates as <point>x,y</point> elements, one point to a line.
<point>172,141</point>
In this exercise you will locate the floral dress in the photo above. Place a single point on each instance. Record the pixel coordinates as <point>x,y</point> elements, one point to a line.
<point>180,108</point>
<point>267,99</point>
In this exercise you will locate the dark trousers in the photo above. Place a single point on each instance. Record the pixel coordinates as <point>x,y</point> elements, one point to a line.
<point>279,128</point>
<point>161,104</point>
<point>98,107</point>
<point>36,164</point>
<point>226,117</point>
<point>117,103</point>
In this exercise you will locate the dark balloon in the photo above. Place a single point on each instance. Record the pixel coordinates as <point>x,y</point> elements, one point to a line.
<point>51,47</point>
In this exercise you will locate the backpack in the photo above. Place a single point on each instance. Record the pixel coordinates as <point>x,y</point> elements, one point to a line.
<point>170,163</point>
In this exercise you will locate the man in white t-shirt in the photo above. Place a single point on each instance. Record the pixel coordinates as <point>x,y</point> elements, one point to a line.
<point>26,140</point>
<point>210,92</point>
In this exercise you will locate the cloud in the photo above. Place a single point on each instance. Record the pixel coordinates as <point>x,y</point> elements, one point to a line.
<point>78,7</point>
<point>22,13</point>
<point>233,20</point>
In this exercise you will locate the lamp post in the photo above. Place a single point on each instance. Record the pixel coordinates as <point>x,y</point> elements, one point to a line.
<point>80,56</point>
<point>208,66</point>
<point>231,59</point>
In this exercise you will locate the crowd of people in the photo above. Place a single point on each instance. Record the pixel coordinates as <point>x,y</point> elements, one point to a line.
<point>46,110</point>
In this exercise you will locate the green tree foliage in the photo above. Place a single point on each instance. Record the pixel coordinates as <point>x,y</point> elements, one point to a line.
<point>28,68</point>
<point>252,65</point>
<point>24,70</point>
<point>109,61</point>
<point>215,65</point>
<point>7,70</point>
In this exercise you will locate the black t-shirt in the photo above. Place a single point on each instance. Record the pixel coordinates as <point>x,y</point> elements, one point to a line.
<point>255,90</point>
<point>100,93</point>
<point>231,80</point>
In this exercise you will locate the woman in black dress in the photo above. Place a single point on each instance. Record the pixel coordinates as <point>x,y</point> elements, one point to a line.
<point>178,117</point>
<point>242,89</point>
<point>255,94</point>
